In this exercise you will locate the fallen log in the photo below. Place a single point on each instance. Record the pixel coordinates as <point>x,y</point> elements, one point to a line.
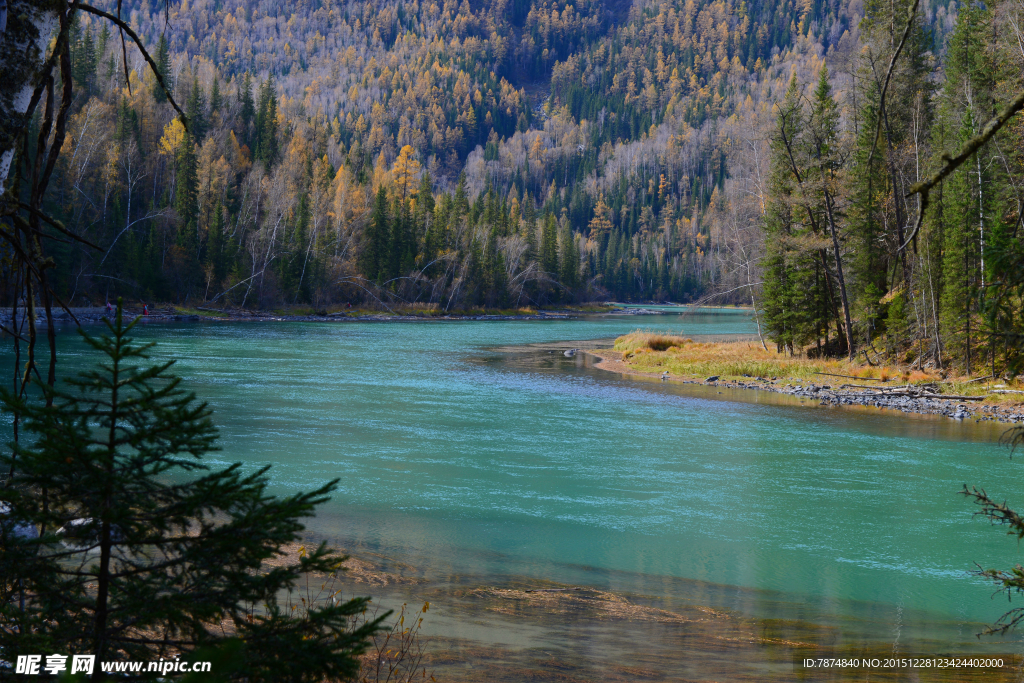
<point>954,398</point>
<point>944,397</point>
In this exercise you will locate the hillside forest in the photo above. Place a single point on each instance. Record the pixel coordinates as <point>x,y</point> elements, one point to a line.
<point>512,153</point>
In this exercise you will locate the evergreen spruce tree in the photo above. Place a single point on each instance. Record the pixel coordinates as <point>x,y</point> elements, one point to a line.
<point>265,135</point>
<point>216,99</point>
<point>826,162</point>
<point>163,66</point>
<point>779,298</point>
<point>461,198</point>
<point>215,247</point>
<point>101,45</point>
<point>195,109</point>
<point>957,263</point>
<point>530,228</point>
<point>494,272</point>
<point>186,197</point>
<point>127,126</point>
<point>373,257</point>
<point>549,246</point>
<point>396,241</point>
<point>962,110</point>
<point>433,241</point>
<point>868,183</point>
<point>881,171</point>
<point>247,111</point>
<point>424,208</point>
<point>569,268</point>
<point>474,273</point>
<point>143,551</point>
<point>152,267</point>
<point>187,250</point>
<point>83,56</point>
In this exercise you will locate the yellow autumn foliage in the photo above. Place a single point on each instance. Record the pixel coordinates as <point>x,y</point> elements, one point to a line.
<point>174,133</point>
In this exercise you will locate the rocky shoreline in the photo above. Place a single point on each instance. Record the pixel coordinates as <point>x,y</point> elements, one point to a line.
<point>832,395</point>
<point>838,394</point>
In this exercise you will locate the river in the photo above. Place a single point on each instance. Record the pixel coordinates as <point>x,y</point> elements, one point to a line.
<point>469,471</point>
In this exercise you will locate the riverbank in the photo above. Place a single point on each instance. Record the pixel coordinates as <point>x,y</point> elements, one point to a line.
<point>305,314</point>
<point>749,366</point>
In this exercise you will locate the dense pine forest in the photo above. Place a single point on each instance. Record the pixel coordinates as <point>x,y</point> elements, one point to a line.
<point>511,153</point>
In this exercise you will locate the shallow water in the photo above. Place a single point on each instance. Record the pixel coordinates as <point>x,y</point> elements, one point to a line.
<point>479,468</point>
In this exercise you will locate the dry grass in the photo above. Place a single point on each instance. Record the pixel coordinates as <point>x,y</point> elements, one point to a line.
<point>655,353</point>
<point>650,341</point>
<point>647,351</point>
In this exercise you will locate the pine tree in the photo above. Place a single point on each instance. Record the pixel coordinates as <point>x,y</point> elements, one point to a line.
<point>101,45</point>
<point>127,126</point>
<point>247,112</point>
<point>494,272</point>
<point>824,133</point>
<point>780,279</point>
<point>868,183</point>
<point>569,268</point>
<point>884,280</point>
<point>424,210</point>
<point>434,240</point>
<point>152,268</point>
<point>195,109</point>
<point>265,135</point>
<point>549,246</point>
<point>186,197</point>
<point>401,250</point>
<point>216,99</point>
<point>143,551</point>
<point>530,228</point>
<point>83,57</point>
<point>461,198</point>
<point>962,108</point>
<point>373,257</point>
<point>215,247</point>
<point>162,57</point>
<point>957,263</point>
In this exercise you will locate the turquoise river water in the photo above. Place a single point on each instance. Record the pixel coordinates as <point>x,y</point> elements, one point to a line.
<point>463,467</point>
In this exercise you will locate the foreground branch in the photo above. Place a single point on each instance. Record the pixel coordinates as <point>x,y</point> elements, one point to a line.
<point>952,163</point>
<point>138,43</point>
<point>1008,582</point>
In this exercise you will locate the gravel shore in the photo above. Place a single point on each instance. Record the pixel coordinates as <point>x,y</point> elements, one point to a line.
<point>839,394</point>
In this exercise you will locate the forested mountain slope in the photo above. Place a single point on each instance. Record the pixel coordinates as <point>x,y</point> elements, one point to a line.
<point>514,152</point>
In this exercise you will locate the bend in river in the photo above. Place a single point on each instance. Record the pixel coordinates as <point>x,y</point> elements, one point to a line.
<point>491,470</point>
